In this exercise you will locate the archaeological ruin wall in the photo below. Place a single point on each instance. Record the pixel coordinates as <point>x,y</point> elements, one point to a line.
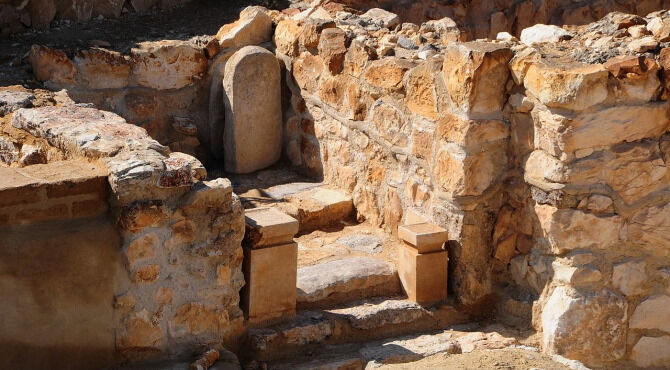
<point>120,240</point>
<point>545,158</point>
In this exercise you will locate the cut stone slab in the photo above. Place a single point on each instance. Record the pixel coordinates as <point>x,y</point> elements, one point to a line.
<point>270,274</point>
<point>377,314</point>
<point>367,243</point>
<point>408,349</point>
<point>423,276</point>
<point>425,237</point>
<point>267,227</point>
<point>345,280</point>
<point>253,132</point>
<point>318,207</point>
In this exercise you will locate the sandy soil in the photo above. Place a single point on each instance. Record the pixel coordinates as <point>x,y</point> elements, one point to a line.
<point>508,358</point>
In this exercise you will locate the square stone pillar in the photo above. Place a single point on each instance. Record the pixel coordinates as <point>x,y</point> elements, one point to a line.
<point>422,264</point>
<point>270,265</point>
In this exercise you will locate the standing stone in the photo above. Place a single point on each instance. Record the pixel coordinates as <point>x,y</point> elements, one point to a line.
<point>252,135</point>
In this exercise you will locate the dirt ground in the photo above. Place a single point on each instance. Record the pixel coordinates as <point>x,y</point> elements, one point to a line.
<point>200,17</point>
<point>508,358</point>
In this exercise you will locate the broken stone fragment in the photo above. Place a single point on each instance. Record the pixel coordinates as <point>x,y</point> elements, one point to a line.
<point>177,173</point>
<point>542,33</point>
<point>380,18</point>
<point>254,27</point>
<point>51,65</point>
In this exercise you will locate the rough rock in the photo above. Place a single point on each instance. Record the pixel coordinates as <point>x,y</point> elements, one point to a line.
<point>167,64</point>
<point>252,28</point>
<point>652,313</point>
<point>568,87</point>
<point>252,108</point>
<point>408,349</point>
<point>630,277</point>
<point>13,98</point>
<point>345,280</point>
<point>542,33</point>
<point>51,65</point>
<point>381,18</point>
<point>651,351</point>
<point>570,319</point>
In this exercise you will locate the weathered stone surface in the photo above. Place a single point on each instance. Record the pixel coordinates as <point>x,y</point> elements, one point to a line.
<point>51,65</point>
<point>471,134</point>
<point>651,351</point>
<point>102,69</point>
<point>252,28</point>
<point>387,73</point>
<point>332,48</point>
<point>569,87</point>
<point>568,229</point>
<point>14,97</point>
<point>167,64</point>
<point>381,18</point>
<point>319,207</point>
<point>409,349</point>
<point>476,74</point>
<point>652,313</point>
<point>479,341</point>
<point>345,280</point>
<point>630,277</point>
<point>462,174</point>
<point>650,227</point>
<point>286,37</point>
<point>253,105</point>
<point>307,70</point>
<point>542,33</point>
<point>377,314</point>
<point>420,89</point>
<point>266,227</point>
<point>570,320</point>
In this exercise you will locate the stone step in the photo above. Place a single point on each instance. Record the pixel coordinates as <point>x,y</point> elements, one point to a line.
<point>331,283</point>
<point>361,321</point>
<point>314,208</point>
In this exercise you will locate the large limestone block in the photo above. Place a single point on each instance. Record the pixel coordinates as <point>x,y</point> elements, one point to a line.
<point>568,229</point>
<point>574,87</point>
<point>167,64</point>
<point>476,74</point>
<point>253,132</point>
<point>556,133</point>
<point>463,174</point>
<point>270,275</point>
<point>653,313</point>
<point>286,37</point>
<point>51,65</point>
<point>471,134</point>
<point>651,351</point>
<point>590,328</point>
<point>254,27</point>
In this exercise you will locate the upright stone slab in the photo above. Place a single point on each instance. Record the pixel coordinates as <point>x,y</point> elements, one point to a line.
<point>270,265</point>
<point>252,136</point>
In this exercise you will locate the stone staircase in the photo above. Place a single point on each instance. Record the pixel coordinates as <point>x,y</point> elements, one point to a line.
<point>351,308</point>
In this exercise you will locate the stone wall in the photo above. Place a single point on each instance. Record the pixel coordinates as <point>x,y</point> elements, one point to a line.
<point>17,16</point>
<point>548,170</point>
<point>169,249</point>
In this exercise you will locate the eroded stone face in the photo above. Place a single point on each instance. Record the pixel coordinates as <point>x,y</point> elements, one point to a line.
<point>589,327</point>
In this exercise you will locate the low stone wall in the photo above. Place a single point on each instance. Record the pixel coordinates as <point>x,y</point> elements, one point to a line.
<point>169,248</point>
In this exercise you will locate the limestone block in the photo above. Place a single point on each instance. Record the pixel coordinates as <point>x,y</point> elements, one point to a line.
<point>568,229</point>
<point>381,18</point>
<point>630,277</point>
<point>266,227</point>
<point>286,37</point>
<point>476,74</point>
<point>423,276</point>
<point>652,313</point>
<point>51,65</point>
<point>471,134</point>
<point>391,123</point>
<point>102,69</point>
<point>542,33</point>
<point>252,28</point>
<point>307,69</point>
<point>462,174</point>
<point>651,351</point>
<point>270,275</point>
<point>420,90</point>
<point>253,131</point>
<point>569,87</point>
<point>650,227</point>
<point>167,64</point>
<point>387,73</point>
<point>424,237</point>
<point>590,328</point>
<point>332,48</point>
